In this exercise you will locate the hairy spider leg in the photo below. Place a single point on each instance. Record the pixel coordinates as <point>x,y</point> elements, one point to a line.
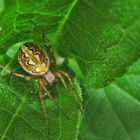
<point>63,82</point>
<point>59,75</point>
<point>41,81</point>
<point>47,44</point>
<point>28,78</point>
<point>71,83</point>
<point>42,102</point>
<point>43,106</point>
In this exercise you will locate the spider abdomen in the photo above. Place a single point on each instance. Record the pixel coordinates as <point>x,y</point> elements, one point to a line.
<point>33,59</point>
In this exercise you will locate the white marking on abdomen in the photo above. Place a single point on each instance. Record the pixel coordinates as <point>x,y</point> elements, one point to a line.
<point>37,69</point>
<point>31,62</point>
<point>37,57</point>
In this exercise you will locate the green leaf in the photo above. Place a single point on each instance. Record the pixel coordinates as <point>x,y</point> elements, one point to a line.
<point>1,5</point>
<point>103,37</point>
<point>100,40</point>
<point>114,112</point>
<point>21,115</point>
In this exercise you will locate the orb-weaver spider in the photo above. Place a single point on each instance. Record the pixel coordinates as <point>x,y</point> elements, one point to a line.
<point>36,62</point>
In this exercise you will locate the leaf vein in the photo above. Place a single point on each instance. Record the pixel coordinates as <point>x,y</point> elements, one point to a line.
<point>13,118</point>
<point>62,24</point>
<point>119,119</point>
<point>126,94</point>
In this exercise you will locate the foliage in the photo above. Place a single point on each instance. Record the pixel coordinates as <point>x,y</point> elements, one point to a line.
<point>99,41</point>
<point>113,112</point>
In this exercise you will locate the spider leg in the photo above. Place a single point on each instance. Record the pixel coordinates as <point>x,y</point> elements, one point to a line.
<point>49,48</point>
<point>45,39</point>
<point>52,56</point>
<point>70,81</point>
<point>59,75</point>
<point>28,78</point>
<point>52,98</point>
<point>42,102</point>
<point>43,105</point>
<point>63,82</point>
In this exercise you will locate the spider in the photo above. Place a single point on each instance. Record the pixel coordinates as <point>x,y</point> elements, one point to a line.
<point>36,62</point>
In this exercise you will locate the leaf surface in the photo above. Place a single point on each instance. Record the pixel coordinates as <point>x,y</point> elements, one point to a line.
<point>114,112</point>
<point>22,116</point>
<point>103,37</point>
<point>100,40</point>
<point>20,108</point>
